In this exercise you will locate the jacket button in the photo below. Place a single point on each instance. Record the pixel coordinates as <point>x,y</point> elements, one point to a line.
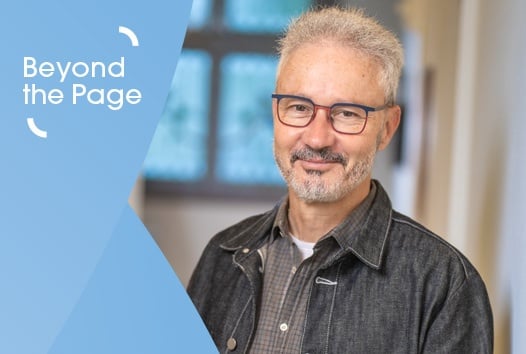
<point>246,250</point>
<point>231,344</point>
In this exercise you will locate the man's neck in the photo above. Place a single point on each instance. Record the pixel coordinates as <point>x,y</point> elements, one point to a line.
<point>311,221</point>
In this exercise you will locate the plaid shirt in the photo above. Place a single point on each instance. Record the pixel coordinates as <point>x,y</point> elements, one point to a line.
<point>287,280</point>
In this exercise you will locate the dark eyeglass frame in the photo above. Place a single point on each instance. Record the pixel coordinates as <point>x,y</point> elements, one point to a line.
<point>367,109</point>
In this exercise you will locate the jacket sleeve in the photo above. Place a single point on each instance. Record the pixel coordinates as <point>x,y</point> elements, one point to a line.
<point>464,324</point>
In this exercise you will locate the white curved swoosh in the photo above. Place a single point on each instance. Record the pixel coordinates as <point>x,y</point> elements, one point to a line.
<point>36,130</point>
<point>131,35</point>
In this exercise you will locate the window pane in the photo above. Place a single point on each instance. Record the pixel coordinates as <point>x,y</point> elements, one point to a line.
<point>244,153</point>
<point>179,147</point>
<point>200,14</point>
<point>263,15</point>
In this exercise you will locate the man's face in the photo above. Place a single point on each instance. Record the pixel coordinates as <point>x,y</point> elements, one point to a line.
<point>318,163</point>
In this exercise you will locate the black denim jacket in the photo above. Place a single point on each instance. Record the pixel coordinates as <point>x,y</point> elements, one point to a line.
<point>394,288</point>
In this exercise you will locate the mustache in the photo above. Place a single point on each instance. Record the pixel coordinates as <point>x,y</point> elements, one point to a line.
<point>325,155</point>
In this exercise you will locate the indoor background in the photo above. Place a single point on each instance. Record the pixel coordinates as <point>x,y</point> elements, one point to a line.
<point>457,164</point>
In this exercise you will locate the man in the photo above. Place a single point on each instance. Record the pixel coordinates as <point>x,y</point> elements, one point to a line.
<point>332,268</point>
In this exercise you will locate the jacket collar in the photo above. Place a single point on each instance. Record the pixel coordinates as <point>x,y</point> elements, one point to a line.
<point>252,232</point>
<point>368,243</point>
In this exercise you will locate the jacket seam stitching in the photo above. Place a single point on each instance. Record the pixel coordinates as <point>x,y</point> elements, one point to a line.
<point>306,318</point>
<point>329,324</point>
<point>443,242</point>
<point>239,320</point>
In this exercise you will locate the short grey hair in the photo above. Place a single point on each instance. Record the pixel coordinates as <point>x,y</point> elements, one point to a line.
<point>351,28</point>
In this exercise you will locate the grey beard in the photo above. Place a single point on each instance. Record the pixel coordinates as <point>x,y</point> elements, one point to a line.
<point>314,189</point>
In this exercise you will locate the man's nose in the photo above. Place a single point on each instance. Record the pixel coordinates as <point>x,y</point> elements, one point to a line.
<point>319,133</point>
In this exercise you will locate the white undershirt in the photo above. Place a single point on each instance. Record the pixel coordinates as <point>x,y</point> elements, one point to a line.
<point>306,248</point>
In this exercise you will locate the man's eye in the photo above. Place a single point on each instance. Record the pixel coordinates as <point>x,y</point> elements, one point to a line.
<point>299,108</point>
<point>349,114</point>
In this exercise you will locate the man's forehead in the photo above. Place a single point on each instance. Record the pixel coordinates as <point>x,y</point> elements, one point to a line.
<point>336,60</point>
<point>313,53</point>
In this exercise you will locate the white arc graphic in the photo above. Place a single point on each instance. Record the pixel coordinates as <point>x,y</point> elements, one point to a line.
<point>36,130</point>
<point>131,35</point>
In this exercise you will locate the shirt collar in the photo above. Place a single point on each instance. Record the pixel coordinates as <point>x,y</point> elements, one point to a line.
<point>281,227</point>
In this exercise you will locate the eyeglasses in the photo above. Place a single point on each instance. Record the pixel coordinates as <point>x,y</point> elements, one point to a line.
<point>345,118</point>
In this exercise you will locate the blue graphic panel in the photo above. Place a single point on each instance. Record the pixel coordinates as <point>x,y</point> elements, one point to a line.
<point>133,305</point>
<point>71,146</point>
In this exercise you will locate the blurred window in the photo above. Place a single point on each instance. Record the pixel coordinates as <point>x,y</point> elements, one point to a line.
<point>261,16</point>
<point>178,149</point>
<point>244,134</point>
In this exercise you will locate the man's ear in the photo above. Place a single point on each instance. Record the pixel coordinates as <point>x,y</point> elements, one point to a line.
<point>391,123</point>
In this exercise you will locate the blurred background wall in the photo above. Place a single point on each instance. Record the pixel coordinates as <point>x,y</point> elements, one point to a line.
<point>457,164</point>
